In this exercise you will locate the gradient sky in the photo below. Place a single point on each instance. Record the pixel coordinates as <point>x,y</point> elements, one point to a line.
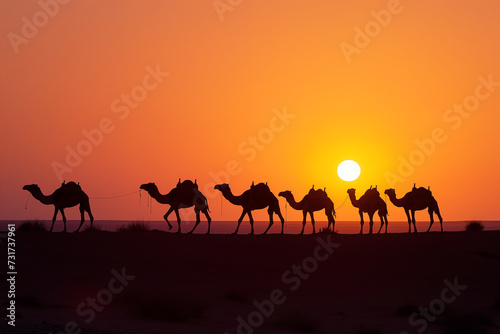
<point>231,70</point>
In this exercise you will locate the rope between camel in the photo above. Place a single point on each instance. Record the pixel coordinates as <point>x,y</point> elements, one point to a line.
<point>27,199</point>
<point>110,197</point>
<point>343,202</point>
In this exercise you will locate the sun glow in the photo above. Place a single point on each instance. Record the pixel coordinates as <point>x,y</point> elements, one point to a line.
<point>348,170</point>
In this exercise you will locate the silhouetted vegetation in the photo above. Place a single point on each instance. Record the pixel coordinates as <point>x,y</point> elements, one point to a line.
<point>94,228</point>
<point>326,230</point>
<point>32,226</point>
<point>474,226</point>
<point>135,227</point>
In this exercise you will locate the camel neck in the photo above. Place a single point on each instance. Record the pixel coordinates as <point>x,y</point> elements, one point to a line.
<point>396,201</point>
<point>293,203</point>
<point>42,198</point>
<point>353,199</point>
<point>162,199</point>
<point>228,194</point>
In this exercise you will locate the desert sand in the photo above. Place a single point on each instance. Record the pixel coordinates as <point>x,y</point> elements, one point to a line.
<point>158,282</point>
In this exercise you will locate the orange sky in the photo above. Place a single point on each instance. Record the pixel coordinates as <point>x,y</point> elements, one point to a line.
<point>222,76</point>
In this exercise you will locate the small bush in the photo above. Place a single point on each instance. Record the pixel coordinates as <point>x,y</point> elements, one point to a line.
<point>135,227</point>
<point>32,226</point>
<point>95,228</point>
<point>327,230</point>
<point>474,226</point>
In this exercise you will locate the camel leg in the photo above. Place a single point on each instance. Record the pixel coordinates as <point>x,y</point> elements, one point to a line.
<point>331,219</point>
<point>178,220</point>
<point>362,222</point>
<point>166,217</point>
<point>209,220</point>
<point>436,210</point>
<point>381,224</point>
<point>271,222</point>
<point>386,223</point>
<point>251,222</point>
<point>431,216</point>
<point>82,220</point>
<point>240,220</point>
<point>313,222</point>
<point>304,214</point>
<point>64,219</point>
<point>413,221</point>
<point>371,222</point>
<point>409,219</point>
<point>53,218</point>
<point>278,212</point>
<point>91,218</point>
<point>197,212</point>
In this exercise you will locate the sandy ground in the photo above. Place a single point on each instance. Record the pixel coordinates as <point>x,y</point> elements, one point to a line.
<point>157,282</point>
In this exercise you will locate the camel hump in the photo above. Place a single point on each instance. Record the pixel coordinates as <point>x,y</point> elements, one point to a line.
<point>421,192</point>
<point>187,185</point>
<point>71,186</point>
<point>317,193</point>
<point>261,187</point>
<point>372,192</point>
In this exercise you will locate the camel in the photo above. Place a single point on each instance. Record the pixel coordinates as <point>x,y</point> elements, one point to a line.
<point>415,200</point>
<point>184,195</point>
<point>315,200</point>
<point>257,197</point>
<point>68,195</point>
<point>370,202</point>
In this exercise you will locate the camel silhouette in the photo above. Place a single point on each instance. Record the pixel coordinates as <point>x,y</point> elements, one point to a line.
<point>416,200</point>
<point>315,200</point>
<point>257,197</point>
<point>184,195</point>
<point>68,195</point>
<point>370,202</point>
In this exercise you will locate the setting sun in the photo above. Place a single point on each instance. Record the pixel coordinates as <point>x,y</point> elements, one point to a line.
<point>348,170</point>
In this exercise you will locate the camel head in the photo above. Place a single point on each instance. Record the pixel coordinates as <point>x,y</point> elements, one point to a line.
<point>351,191</point>
<point>31,187</point>
<point>222,187</point>
<point>285,194</point>
<point>148,186</point>
<point>390,192</point>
